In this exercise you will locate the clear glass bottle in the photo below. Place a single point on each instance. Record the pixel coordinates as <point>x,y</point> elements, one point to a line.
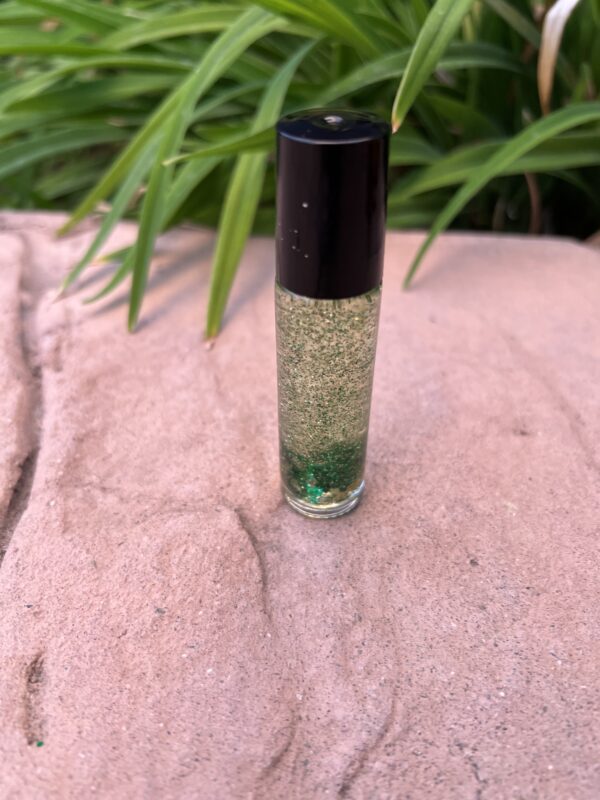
<point>331,198</point>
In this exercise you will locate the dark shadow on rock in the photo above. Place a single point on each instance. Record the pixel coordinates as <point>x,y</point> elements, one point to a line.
<point>162,275</point>
<point>250,284</point>
<point>94,274</point>
<point>167,306</point>
<point>436,269</point>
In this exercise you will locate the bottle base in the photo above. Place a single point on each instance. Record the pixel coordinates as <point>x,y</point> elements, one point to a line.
<point>328,511</point>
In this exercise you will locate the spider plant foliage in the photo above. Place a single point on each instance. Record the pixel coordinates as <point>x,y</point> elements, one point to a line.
<point>163,111</point>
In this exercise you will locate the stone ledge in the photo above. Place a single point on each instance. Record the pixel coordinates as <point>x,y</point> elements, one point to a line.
<point>170,629</point>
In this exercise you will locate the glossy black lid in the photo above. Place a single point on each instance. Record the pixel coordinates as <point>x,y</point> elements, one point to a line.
<point>331,202</point>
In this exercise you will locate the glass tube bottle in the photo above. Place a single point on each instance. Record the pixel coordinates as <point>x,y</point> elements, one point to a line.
<point>331,209</point>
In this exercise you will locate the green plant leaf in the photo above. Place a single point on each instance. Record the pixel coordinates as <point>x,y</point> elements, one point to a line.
<point>563,152</point>
<point>14,42</point>
<point>93,94</point>
<point>536,133</point>
<point>151,214</point>
<point>517,21</point>
<point>37,148</point>
<point>408,147</point>
<point>440,26</point>
<point>527,29</point>
<point>387,29</point>
<point>329,16</point>
<point>13,13</point>
<point>249,27</point>
<point>188,178</point>
<point>27,88</point>
<point>390,65</point>
<point>242,197</point>
<point>211,67</point>
<point>394,65</point>
<point>410,218</point>
<point>73,176</point>
<point>72,69</point>
<point>119,205</point>
<point>207,18</point>
<point>462,117</point>
<point>89,16</point>
<point>219,106</point>
<point>420,10</point>
<point>245,142</point>
<point>120,168</point>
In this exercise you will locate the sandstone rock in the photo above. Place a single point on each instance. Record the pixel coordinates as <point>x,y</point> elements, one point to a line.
<point>170,629</point>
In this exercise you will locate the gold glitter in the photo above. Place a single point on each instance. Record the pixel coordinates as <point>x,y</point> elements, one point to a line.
<point>325,357</point>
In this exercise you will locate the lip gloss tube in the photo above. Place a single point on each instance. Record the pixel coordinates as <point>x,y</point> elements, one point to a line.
<point>331,212</point>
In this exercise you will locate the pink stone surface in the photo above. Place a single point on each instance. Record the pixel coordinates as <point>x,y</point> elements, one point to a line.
<point>170,629</point>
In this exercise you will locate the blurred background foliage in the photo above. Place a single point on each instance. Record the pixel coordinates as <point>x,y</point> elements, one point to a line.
<point>163,110</point>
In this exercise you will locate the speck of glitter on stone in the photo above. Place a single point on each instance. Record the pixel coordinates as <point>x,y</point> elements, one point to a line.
<point>304,205</point>
<point>39,744</point>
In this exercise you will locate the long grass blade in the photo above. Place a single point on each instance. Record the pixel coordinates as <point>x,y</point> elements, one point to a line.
<point>410,218</point>
<point>119,205</point>
<point>35,149</point>
<point>331,17</point>
<point>205,19</point>
<point>440,26</point>
<point>13,13</point>
<point>250,26</point>
<point>410,148</point>
<point>12,42</point>
<point>94,109</point>
<point>211,67</point>
<point>387,30</point>
<point>563,152</point>
<point>186,181</point>
<point>89,16</point>
<point>420,10</point>
<point>538,132</point>
<point>527,29</point>
<point>94,94</point>
<point>242,197</point>
<point>73,176</point>
<point>394,65</point>
<point>246,142</point>
<point>151,214</point>
<point>516,20</point>
<point>463,118</point>
<point>30,87</point>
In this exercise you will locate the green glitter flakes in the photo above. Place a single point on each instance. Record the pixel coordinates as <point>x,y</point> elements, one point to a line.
<point>325,356</point>
<point>326,477</point>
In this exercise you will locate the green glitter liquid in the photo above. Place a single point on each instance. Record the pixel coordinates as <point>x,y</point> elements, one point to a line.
<point>325,360</point>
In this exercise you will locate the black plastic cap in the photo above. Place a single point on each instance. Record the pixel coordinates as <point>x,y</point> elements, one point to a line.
<point>331,202</point>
